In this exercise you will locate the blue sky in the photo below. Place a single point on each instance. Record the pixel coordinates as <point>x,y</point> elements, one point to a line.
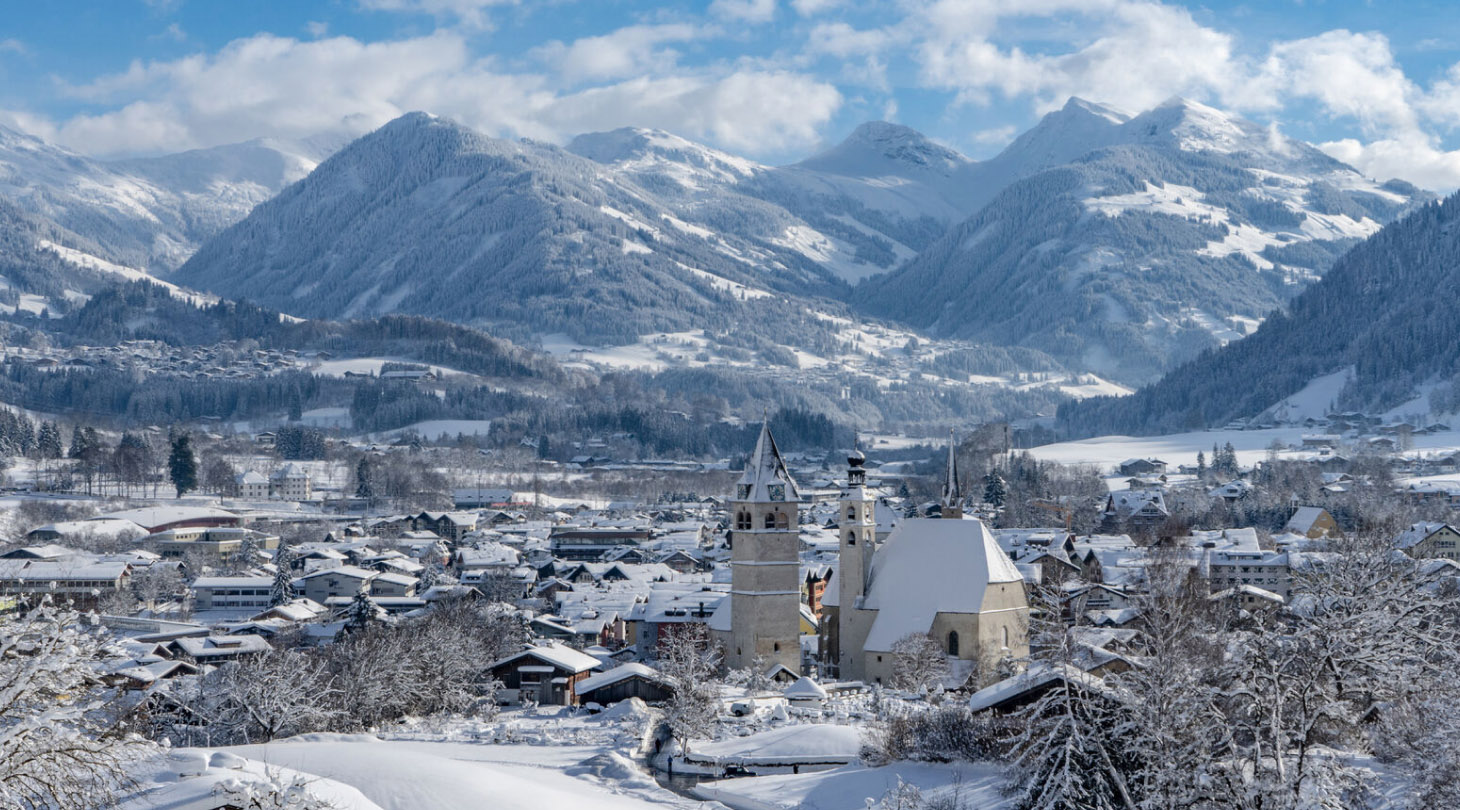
<point>1375,84</point>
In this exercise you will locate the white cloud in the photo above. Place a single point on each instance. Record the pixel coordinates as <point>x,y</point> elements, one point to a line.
<point>1416,159</point>
<point>317,28</point>
<point>751,11</point>
<point>808,8</point>
<point>471,13</point>
<point>1131,54</point>
<point>995,136</point>
<point>619,54</point>
<point>12,45</point>
<point>274,86</point>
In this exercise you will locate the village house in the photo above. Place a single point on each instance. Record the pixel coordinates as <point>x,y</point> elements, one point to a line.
<point>1430,541</point>
<point>291,483</point>
<point>1313,522</point>
<point>623,682</point>
<point>231,593</point>
<point>546,674</point>
<point>252,485</point>
<point>82,582</point>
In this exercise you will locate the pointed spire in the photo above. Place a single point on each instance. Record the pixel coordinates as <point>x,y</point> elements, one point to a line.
<point>765,473</point>
<point>952,493</point>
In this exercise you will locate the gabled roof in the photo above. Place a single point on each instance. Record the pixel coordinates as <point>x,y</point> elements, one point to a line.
<point>558,655</point>
<point>620,673</point>
<point>765,468</point>
<point>927,567</point>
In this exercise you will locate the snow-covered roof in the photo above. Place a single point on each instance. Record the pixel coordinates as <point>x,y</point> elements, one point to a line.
<point>931,566</point>
<point>209,583</point>
<point>559,655</point>
<point>766,469</point>
<point>153,518</point>
<point>222,646</point>
<point>1303,519</point>
<point>252,477</point>
<point>1418,532</point>
<point>107,527</point>
<point>804,688</point>
<point>619,673</point>
<point>1037,676</point>
<point>344,571</point>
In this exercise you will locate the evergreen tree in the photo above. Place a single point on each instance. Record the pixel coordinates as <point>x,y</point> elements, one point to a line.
<point>1201,465</point>
<point>361,614</point>
<point>364,471</point>
<point>48,443</point>
<point>182,465</point>
<point>283,590</point>
<point>994,491</point>
<point>296,407</point>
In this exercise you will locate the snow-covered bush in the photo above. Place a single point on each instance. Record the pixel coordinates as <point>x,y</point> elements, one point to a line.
<point>59,746</point>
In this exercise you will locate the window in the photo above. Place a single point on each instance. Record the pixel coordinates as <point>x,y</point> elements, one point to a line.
<point>770,520</point>
<point>851,513</point>
<point>1006,637</point>
<point>781,521</point>
<point>776,647</point>
<point>953,643</point>
<point>742,520</point>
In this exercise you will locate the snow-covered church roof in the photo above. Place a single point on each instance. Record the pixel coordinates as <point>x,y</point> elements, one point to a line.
<point>931,566</point>
<point>765,473</point>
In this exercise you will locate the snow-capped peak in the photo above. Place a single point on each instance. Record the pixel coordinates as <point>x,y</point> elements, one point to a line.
<point>638,149</point>
<point>879,148</point>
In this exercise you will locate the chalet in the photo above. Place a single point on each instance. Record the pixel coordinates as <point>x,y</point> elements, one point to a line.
<point>1313,522</point>
<point>1430,541</point>
<point>1134,511</point>
<point>623,682</point>
<point>1232,491</point>
<point>1142,467</point>
<point>450,526</point>
<point>1249,598</point>
<point>544,674</point>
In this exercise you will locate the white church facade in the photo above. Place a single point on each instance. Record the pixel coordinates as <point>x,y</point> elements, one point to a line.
<point>942,577</point>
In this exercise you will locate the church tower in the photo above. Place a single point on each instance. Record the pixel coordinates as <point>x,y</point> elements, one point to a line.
<point>765,569</point>
<point>952,492</point>
<point>858,538</point>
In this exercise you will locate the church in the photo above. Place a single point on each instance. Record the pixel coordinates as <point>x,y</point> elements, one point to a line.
<point>943,577</point>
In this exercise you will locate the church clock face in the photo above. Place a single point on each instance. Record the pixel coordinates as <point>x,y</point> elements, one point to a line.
<point>776,491</point>
<point>744,492</point>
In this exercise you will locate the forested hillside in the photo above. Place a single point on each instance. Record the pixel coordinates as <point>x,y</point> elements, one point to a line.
<point>1386,308</point>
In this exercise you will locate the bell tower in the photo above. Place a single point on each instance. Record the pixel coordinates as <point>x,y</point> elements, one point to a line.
<point>765,567</point>
<point>857,531</point>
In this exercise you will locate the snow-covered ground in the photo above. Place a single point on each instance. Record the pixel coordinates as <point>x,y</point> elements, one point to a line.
<point>1181,448</point>
<point>978,785</point>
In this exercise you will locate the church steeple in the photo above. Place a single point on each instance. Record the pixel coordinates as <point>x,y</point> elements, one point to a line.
<point>952,492</point>
<point>766,477</point>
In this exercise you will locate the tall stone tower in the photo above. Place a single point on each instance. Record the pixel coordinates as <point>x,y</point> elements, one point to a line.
<point>765,570</point>
<point>857,542</point>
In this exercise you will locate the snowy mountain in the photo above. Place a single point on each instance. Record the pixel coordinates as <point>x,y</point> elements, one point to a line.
<point>425,216</point>
<point>1375,334</point>
<point>1131,244</point>
<point>150,214</point>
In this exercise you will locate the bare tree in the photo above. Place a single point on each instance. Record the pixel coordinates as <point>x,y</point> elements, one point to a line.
<point>58,747</point>
<point>690,661</point>
<point>918,663</point>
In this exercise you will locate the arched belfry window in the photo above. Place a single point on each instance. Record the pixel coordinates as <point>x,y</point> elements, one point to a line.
<point>781,521</point>
<point>851,513</point>
<point>770,520</point>
<point>953,642</point>
<point>742,520</point>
